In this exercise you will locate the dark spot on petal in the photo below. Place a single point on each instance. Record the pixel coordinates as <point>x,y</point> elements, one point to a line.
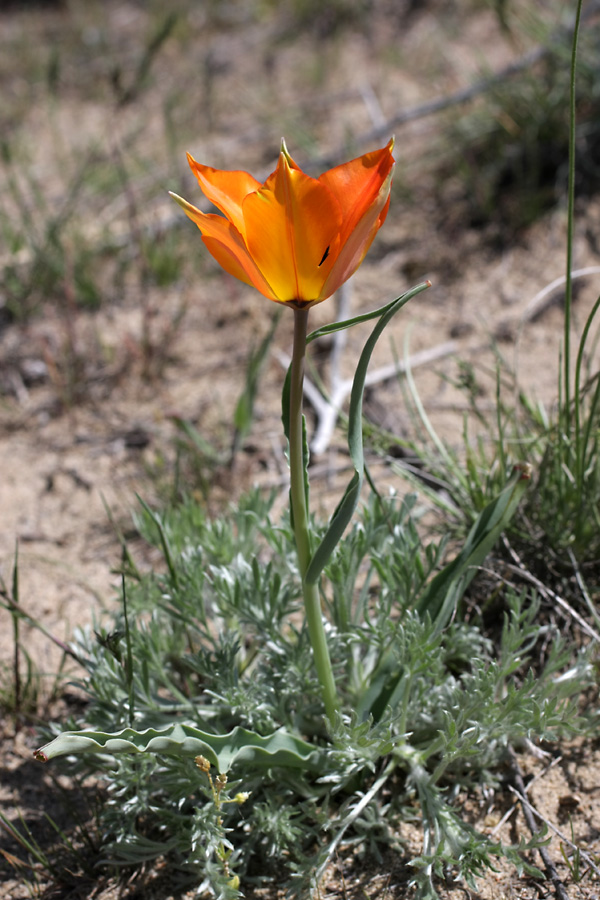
<point>325,255</point>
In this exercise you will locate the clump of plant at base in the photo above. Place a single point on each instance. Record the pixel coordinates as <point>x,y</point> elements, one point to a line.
<point>222,669</point>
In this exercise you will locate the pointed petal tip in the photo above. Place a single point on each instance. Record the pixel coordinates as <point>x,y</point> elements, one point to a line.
<point>285,152</point>
<point>184,204</point>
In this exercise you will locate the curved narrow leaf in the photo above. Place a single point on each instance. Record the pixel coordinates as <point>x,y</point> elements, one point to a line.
<point>285,418</point>
<point>345,509</point>
<point>221,750</point>
<point>364,317</point>
<point>441,595</point>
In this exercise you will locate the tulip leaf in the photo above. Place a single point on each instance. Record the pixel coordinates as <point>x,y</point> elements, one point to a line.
<point>366,317</point>
<point>285,402</point>
<point>345,509</point>
<point>221,750</point>
<point>285,418</point>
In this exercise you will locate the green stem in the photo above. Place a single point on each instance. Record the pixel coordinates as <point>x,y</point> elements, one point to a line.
<point>16,641</point>
<point>570,218</point>
<point>298,495</point>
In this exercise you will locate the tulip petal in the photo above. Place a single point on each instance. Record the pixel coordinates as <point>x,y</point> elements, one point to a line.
<point>358,240</point>
<point>292,228</point>
<point>226,245</point>
<point>357,184</point>
<point>295,238</point>
<point>225,189</point>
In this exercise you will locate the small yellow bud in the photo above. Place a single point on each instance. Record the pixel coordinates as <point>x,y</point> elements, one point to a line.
<point>221,782</point>
<point>202,763</point>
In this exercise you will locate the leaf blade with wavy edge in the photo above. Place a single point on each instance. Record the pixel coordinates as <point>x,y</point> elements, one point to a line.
<point>221,750</point>
<point>345,508</point>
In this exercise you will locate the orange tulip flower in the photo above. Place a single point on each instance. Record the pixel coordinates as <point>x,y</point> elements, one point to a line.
<point>294,238</point>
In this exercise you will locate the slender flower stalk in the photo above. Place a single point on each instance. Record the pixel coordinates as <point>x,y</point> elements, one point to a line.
<point>570,218</point>
<point>312,600</point>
